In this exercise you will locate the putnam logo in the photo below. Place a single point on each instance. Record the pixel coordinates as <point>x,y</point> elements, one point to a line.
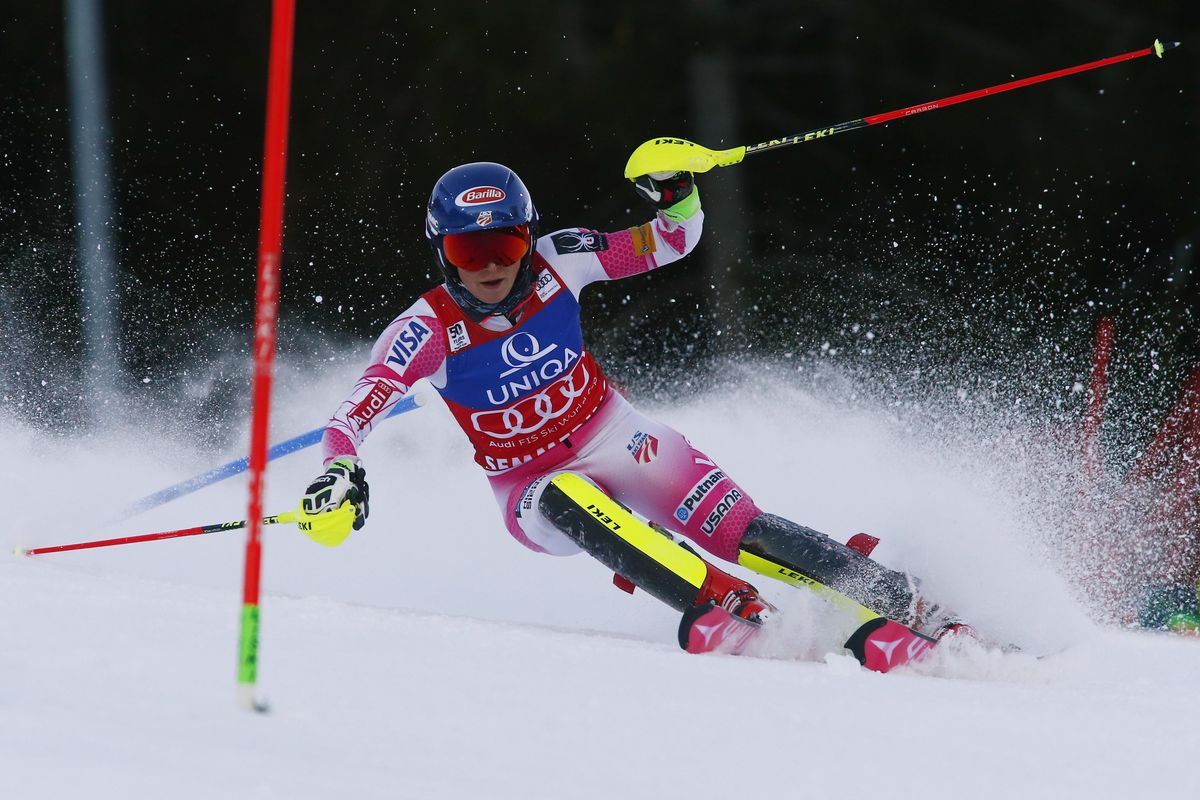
<point>407,343</point>
<point>372,404</point>
<point>700,491</point>
<point>479,195</point>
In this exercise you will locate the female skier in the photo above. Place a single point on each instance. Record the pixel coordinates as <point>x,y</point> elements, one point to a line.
<point>500,340</point>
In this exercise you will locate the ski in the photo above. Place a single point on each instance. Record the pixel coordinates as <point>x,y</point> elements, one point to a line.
<point>882,644</point>
<point>879,644</point>
<point>712,629</point>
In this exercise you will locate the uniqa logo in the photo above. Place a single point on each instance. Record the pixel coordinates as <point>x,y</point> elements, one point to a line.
<point>522,352</point>
<point>477,195</point>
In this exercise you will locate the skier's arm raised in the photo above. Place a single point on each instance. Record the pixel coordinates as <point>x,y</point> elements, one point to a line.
<point>583,256</point>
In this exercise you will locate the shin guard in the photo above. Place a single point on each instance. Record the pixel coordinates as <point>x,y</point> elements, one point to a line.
<point>798,552</point>
<point>622,542</point>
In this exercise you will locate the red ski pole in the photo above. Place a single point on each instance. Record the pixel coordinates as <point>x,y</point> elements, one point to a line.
<point>217,527</point>
<point>669,154</point>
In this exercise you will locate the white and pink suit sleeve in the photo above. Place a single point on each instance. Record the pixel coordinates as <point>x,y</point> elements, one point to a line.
<point>581,256</point>
<point>412,347</point>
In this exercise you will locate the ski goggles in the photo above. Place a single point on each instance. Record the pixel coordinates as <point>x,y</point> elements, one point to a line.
<point>473,251</point>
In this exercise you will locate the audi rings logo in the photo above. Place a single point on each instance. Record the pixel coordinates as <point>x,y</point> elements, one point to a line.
<point>521,350</point>
<point>532,413</point>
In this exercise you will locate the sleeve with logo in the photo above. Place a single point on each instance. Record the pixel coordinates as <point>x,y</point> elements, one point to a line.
<point>582,256</point>
<point>411,348</point>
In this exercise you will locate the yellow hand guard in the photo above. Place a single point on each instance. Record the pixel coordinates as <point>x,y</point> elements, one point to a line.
<point>329,528</point>
<point>668,154</point>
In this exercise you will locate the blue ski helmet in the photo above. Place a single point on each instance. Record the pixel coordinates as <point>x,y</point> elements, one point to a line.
<point>475,197</point>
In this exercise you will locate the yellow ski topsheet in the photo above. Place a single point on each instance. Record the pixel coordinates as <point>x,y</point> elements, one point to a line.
<point>779,572</point>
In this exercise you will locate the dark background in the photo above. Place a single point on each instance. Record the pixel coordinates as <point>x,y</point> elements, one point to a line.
<point>982,240</point>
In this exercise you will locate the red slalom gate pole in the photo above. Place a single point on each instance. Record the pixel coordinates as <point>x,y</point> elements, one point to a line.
<point>1171,433</point>
<point>270,247</point>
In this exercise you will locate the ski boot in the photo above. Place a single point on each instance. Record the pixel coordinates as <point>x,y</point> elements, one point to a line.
<point>728,614</point>
<point>937,622</point>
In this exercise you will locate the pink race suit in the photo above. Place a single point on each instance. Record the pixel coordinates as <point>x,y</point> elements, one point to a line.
<point>534,402</point>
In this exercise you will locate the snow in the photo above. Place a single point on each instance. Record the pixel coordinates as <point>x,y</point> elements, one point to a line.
<point>431,656</point>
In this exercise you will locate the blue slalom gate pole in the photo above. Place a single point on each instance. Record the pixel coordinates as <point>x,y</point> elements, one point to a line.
<point>239,466</point>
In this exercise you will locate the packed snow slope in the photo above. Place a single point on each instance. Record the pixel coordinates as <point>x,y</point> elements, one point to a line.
<point>431,656</point>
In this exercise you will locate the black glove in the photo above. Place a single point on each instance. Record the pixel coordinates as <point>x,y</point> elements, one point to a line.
<point>344,479</point>
<point>665,189</point>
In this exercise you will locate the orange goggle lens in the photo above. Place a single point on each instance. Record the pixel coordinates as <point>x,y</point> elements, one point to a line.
<point>475,250</point>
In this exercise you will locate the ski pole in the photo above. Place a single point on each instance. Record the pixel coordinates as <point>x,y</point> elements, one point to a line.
<point>239,466</point>
<point>668,154</point>
<point>289,516</point>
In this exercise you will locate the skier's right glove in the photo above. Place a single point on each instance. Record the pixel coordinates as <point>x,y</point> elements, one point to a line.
<point>344,480</point>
